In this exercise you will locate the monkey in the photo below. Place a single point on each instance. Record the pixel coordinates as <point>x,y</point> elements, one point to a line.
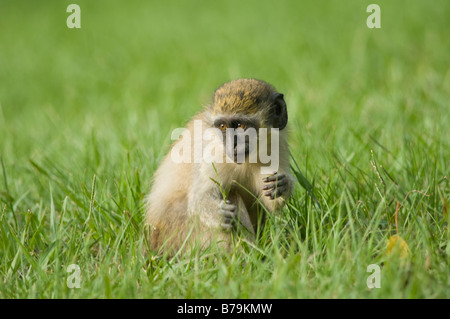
<point>200,202</point>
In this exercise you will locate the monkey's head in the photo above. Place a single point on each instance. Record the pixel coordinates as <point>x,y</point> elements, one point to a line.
<point>243,105</point>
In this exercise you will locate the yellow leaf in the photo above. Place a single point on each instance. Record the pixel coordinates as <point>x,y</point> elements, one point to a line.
<point>397,245</point>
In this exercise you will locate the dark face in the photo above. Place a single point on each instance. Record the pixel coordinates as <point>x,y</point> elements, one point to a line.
<point>239,136</point>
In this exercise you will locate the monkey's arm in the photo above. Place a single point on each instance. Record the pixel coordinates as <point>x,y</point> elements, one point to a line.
<point>235,217</point>
<point>225,216</point>
<point>276,189</point>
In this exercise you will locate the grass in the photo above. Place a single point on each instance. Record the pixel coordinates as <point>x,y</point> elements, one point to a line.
<point>86,116</point>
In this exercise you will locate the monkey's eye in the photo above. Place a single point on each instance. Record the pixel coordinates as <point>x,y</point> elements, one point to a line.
<point>241,126</point>
<point>223,127</point>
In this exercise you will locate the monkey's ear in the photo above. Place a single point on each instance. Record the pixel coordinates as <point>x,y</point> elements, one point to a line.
<point>278,112</point>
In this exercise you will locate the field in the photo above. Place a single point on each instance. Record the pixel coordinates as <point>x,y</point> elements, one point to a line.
<point>86,116</point>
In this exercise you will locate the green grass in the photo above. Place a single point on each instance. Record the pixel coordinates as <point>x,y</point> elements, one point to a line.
<point>86,117</point>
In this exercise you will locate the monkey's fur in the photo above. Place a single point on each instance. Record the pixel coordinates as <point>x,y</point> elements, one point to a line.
<point>186,206</point>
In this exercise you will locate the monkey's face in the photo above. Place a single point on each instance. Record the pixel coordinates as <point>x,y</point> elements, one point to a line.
<point>240,108</point>
<point>251,98</point>
<point>239,136</point>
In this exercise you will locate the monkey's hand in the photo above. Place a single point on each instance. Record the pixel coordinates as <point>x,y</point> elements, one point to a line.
<point>275,185</point>
<point>228,214</point>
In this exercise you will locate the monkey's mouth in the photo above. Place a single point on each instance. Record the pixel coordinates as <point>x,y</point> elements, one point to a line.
<point>240,153</point>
